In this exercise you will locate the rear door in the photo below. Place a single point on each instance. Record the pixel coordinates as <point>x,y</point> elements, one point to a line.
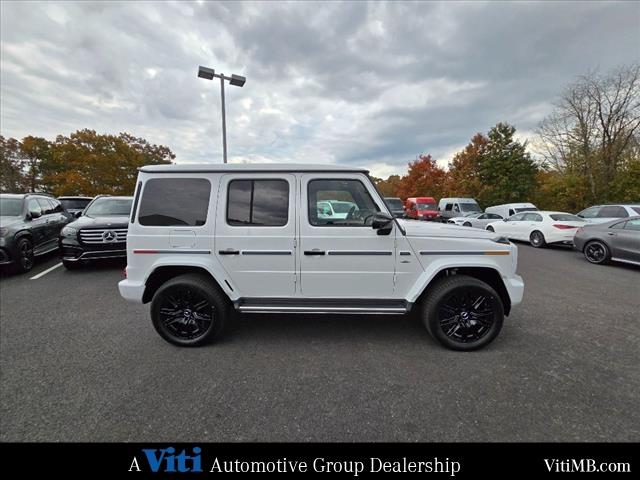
<point>344,258</point>
<point>625,243</point>
<point>255,238</point>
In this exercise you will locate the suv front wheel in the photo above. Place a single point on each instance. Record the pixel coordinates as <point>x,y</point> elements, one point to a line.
<point>189,310</point>
<point>463,313</point>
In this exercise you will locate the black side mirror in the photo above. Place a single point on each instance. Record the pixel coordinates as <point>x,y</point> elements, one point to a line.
<point>33,214</point>
<point>78,214</point>
<point>505,219</point>
<point>383,223</point>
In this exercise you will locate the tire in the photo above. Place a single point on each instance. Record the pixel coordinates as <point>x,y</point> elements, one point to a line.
<point>24,256</point>
<point>490,229</point>
<point>463,330</point>
<point>537,239</point>
<point>175,310</point>
<point>71,265</point>
<point>597,252</point>
<point>466,224</point>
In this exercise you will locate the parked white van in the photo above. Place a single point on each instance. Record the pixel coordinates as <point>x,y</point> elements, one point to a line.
<point>205,240</point>
<point>509,209</point>
<point>457,207</point>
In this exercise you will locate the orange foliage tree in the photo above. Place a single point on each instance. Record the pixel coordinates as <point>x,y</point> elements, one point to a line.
<point>424,179</point>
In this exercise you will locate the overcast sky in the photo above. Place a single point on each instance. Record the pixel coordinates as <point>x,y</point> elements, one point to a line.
<point>370,84</point>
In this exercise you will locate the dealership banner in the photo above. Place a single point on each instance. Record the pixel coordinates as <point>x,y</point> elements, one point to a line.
<point>453,460</point>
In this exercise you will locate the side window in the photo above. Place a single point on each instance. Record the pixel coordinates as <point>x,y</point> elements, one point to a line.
<point>448,207</point>
<point>619,225</point>
<point>633,225</point>
<point>263,203</point>
<point>518,217</point>
<point>456,208</point>
<point>179,202</point>
<point>511,212</point>
<point>351,202</point>
<point>495,216</point>
<point>57,206</point>
<point>484,216</point>
<point>45,206</point>
<point>612,212</point>
<point>532,217</point>
<point>34,206</point>
<point>590,212</point>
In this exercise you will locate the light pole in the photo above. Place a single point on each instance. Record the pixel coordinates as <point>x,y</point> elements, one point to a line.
<point>235,80</point>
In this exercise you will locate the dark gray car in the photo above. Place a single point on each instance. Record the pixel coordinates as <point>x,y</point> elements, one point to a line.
<point>617,240</point>
<point>29,226</point>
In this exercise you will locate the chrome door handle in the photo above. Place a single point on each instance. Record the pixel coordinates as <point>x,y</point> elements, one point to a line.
<point>611,233</point>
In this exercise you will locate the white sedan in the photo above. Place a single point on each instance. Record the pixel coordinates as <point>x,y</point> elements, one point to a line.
<point>539,228</point>
<point>476,219</point>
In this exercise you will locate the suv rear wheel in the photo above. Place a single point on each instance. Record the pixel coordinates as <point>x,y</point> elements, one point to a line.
<point>189,310</point>
<point>463,313</point>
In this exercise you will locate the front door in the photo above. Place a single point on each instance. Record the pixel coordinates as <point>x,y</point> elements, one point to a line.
<point>626,241</point>
<point>343,257</point>
<point>256,233</point>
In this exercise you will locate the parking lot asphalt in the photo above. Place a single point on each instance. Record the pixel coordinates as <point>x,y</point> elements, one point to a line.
<point>78,363</point>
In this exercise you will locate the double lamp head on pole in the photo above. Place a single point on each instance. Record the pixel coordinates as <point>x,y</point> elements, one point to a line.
<point>235,80</point>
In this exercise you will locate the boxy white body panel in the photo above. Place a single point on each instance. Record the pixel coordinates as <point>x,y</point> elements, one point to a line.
<point>298,262</point>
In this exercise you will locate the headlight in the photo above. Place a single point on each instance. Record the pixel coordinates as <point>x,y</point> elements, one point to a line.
<point>504,240</point>
<point>69,232</point>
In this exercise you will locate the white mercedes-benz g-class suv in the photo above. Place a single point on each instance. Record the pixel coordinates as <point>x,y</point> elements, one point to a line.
<point>205,240</point>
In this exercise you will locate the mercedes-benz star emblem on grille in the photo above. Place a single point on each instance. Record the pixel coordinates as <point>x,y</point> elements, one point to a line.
<point>109,236</point>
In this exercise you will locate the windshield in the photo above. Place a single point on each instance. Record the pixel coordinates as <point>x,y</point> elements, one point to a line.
<point>565,217</point>
<point>394,203</point>
<point>636,209</point>
<point>109,206</point>
<point>470,207</point>
<point>10,207</point>
<point>342,207</point>
<point>526,209</point>
<point>75,203</point>
<point>473,215</point>
<point>427,206</point>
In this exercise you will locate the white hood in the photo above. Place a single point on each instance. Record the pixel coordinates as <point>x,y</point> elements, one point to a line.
<point>415,228</point>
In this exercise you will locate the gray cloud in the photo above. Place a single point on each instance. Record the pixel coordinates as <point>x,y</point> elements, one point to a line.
<point>373,84</point>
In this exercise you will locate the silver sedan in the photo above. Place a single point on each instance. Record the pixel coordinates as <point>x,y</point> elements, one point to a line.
<point>477,219</point>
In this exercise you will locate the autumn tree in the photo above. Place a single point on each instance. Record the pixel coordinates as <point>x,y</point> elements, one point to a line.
<point>388,187</point>
<point>463,177</point>
<point>424,179</point>
<point>36,151</point>
<point>89,163</point>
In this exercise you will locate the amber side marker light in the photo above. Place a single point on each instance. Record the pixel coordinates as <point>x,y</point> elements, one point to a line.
<point>497,252</point>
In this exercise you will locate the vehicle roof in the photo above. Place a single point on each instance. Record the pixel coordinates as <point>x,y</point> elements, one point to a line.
<point>74,197</point>
<point>112,196</point>
<point>511,204</point>
<point>249,167</point>
<point>551,212</point>
<point>23,195</point>
<point>615,205</point>
<point>457,198</point>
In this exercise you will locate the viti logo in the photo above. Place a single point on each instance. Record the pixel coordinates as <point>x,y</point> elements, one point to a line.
<point>166,460</point>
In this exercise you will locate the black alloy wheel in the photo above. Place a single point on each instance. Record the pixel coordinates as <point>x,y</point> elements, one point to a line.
<point>463,313</point>
<point>25,259</point>
<point>490,229</point>
<point>596,252</point>
<point>189,310</point>
<point>466,315</point>
<point>466,224</point>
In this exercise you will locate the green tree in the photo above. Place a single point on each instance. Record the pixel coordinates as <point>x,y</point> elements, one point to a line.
<point>388,187</point>
<point>463,177</point>
<point>507,171</point>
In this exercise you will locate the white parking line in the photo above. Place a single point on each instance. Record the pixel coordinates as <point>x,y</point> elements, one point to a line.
<point>42,274</point>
